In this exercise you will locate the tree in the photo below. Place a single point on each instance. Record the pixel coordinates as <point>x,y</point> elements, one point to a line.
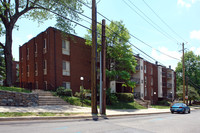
<point>120,62</point>
<point>192,93</point>
<point>192,70</point>
<point>11,11</point>
<point>2,65</point>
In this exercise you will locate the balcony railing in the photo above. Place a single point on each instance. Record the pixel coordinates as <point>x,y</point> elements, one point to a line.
<point>169,75</point>
<point>169,85</point>
<point>163,74</point>
<point>136,80</point>
<point>137,68</point>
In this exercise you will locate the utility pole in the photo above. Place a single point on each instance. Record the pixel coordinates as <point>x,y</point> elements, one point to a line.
<point>93,60</point>
<point>103,111</point>
<point>183,75</point>
<point>186,90</point>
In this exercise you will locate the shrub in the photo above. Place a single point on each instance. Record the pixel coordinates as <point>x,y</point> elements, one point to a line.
<point>61,91</point>
<point>125,97</point>
<point>163,102</point>
<point>111,98</point>
<point>83,94</point>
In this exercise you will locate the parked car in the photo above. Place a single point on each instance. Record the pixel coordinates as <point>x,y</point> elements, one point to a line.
<point>180,108</point>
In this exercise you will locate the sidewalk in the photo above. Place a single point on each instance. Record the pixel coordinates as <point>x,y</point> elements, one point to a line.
<point>80,112</point>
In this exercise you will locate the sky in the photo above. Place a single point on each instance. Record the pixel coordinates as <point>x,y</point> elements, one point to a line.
<point>181,16</point>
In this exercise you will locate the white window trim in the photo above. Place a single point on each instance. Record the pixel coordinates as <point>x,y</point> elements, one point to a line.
<point>65,71</point>
<point>45,69</point>
<point>67,84</point>
<point>45,46</point>
<point>66,50</point>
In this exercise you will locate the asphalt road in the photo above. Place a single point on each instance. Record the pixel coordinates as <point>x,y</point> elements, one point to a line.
<point>157,123</point>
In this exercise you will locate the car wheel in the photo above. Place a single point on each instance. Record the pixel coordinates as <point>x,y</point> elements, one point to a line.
<point>172,112</point>
<point>189,111</point>
<point>184,111</point>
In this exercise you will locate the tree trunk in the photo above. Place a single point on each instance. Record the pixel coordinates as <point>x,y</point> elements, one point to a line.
<point>8,56</point>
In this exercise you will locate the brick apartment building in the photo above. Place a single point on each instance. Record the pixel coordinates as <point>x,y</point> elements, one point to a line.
<point>50,60</point>
<point>153,82</point>
<point>53,59</point>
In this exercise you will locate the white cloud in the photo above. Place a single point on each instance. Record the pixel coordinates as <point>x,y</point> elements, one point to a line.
<point>184,4</point>
<point>29,36</point>
<point>187,4</point>
<point>195,34</point>
<point>163,57</point>
<point>166,60</point>
<point>195,50</point>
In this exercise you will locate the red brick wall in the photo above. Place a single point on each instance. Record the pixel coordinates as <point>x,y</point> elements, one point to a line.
<point>79,59</point>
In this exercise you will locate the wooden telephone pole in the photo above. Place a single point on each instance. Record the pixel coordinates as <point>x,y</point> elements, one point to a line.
<point>93,60</point>
<point>183,75</point>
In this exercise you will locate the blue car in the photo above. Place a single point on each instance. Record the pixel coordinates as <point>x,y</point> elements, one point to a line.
<point>180,108</point>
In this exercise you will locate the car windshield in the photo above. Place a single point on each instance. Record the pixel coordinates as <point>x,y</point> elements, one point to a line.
<point>178,104</point>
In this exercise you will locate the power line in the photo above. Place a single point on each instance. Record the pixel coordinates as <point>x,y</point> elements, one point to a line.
<point>163,21</point>
<point>131,34</point>
<point>153,24</point>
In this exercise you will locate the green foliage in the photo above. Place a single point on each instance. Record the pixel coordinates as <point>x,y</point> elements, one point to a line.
<point>125,105</point>
<point>77,101</point>
<point>119,55</point>
<point>2,65</point>
<point>163,103</point>
<point>14,89</point>
<point>125,97</point>
<point>61,91</point>
<point>192,93</point>
<point>84,93</point>
<point>111,98</point>
<point>192,70</point>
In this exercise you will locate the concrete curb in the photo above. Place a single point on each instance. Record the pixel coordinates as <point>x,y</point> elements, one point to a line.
<point>73,117</point>
<point>80,117</point>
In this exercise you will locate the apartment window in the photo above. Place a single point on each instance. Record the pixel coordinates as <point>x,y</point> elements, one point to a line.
<point>45,67</point>
<point>45,85</point>
<point>27,53</point>
<point>145,93</point>
<point>151,71</point>
<point>151,81</point>
<point>45,46</point>
<point>145,81</point>
<point>66,68</point>
<point>151,91</point>
<point>145,68</point>
<point>66,85</point>
<point>36,85</point>
<point>65,47</point>
<point>27,70</point>
<point>36,50</point>
<point>36,69</point>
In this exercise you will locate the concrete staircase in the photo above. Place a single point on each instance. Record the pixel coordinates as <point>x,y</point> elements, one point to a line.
<point>144,103</point>
<point>46,98</point>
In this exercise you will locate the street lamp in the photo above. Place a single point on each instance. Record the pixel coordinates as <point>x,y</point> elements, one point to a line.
<point>81,78</point>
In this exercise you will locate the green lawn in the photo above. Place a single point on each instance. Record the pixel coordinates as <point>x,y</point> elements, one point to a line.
<point>160,107</point>
<point>14,89</point>
<point>125,105</point>
<point>19,114</point>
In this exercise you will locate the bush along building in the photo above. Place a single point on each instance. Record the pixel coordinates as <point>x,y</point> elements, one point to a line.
<point>53,59</point>
<point>153,82</point>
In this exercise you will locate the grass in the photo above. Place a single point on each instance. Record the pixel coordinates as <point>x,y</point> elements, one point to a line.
<point>77,101</point>
<point>125,105</point>
<point>14,89</point>
<point>160,107</point>
<point>43,114</point>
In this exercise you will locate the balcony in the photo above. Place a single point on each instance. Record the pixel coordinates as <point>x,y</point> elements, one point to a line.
<point>163,74</point>
<point>164,84</point>
<point>169,76</point>
<point>137,68</point>
<point>169,85</point>
<point>169,95</point>
<point>136,80</point>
